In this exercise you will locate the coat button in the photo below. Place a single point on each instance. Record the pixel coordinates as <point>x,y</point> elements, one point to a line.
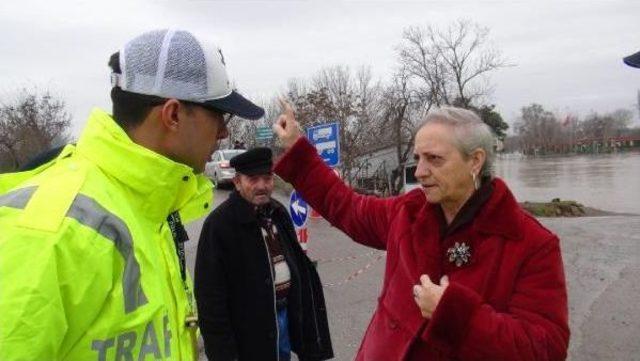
<point>267,281</point>
<point>393,324</point>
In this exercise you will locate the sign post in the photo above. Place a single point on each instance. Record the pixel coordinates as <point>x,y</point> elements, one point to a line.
<point>299,211</point>
<point>326,139</point>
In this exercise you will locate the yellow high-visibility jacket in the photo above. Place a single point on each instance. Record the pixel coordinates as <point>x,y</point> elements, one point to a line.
<point>88,265</point>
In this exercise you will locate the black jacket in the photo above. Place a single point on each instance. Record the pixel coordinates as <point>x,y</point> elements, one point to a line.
<point>234,289</point>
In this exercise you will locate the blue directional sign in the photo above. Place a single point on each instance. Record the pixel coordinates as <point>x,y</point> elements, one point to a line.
<point>299,210</point>
<point>326,138</point>
<point>264,133</point>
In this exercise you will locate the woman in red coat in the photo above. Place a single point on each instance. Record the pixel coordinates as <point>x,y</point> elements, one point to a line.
<point>469,274</point>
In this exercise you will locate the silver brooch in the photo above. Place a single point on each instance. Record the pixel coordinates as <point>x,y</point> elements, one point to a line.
<point>460,254</point>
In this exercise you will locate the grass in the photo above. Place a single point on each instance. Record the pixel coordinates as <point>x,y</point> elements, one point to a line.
<point>555,208</point>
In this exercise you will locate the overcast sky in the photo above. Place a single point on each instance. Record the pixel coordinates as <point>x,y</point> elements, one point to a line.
<point>568,54</point>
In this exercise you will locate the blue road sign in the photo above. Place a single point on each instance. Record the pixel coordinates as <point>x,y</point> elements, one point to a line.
<point>298,209</point>
<point>326,139</point>
<point>264,133</point>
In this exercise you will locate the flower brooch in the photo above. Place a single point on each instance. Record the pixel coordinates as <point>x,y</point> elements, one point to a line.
<point>460,254</point>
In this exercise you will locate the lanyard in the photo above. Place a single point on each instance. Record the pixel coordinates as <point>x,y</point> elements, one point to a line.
<point>179,237</point>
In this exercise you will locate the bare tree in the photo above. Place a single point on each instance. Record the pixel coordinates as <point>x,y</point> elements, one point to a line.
<point>539,129</point>
<point>602,127</point>
<point>29,124</point>
<point>400,112</point>
<point>422,61</point>
<point>338,94</point>
<point>621,118</point>
<point>450,65</point>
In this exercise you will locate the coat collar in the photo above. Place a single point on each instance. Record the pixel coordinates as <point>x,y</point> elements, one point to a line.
<point>244,211</point>
<point>159,184</point>
<point>499,215</point>
<point>468,212</point>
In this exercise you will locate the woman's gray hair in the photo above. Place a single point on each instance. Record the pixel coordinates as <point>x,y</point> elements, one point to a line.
<point>470,133</point>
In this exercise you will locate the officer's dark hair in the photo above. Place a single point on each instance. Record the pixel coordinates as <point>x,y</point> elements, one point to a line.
<point>130,109</point>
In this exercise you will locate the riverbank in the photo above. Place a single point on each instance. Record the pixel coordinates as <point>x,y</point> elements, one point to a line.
<point>566,208</point>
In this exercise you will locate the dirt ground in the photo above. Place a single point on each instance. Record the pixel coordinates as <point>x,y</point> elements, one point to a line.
<point>602,266</point>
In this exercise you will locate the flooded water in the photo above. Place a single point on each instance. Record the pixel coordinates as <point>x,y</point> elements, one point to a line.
<point>609,182</point>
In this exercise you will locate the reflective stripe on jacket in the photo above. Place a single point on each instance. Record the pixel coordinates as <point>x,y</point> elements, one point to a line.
<point>88,266</point>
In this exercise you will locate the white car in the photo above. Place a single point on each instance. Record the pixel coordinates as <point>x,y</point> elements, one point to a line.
<point>409,181</point>
<point>218,169</point>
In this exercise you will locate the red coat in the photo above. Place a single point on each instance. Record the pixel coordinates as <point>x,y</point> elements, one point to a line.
<point>508,303</point>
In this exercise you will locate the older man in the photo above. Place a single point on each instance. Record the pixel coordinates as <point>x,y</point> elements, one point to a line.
<point>259,296</point>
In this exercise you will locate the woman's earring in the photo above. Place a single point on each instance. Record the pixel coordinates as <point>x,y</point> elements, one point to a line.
<point>476,184</point>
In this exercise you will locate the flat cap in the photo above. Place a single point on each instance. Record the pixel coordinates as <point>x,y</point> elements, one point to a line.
<point>253,162</point>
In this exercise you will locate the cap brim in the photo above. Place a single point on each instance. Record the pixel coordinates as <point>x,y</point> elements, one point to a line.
<point>237,105</point>
<point>633,60</point>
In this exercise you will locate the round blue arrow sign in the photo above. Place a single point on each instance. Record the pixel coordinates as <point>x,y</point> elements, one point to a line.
<point>298,209</point>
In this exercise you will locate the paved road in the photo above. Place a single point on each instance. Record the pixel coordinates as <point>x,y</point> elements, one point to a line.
<point>602,265</point>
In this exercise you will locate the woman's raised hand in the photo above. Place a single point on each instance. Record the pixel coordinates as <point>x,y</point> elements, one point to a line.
<point>286,128</point>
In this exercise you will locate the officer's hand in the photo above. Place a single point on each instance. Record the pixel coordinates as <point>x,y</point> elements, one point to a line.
<point>286,127</point>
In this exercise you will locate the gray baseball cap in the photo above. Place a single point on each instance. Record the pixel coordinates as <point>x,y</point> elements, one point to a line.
<point>171,63</point>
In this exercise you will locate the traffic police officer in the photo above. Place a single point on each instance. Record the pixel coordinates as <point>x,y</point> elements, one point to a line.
<point>91,255</point>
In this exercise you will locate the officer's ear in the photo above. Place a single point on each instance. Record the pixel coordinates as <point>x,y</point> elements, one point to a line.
<point>171,114</point>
